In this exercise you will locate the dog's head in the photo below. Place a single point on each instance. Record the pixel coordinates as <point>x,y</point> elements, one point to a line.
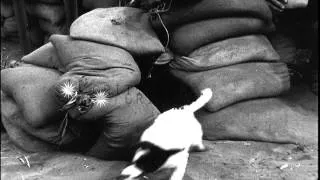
<point>148,158</point>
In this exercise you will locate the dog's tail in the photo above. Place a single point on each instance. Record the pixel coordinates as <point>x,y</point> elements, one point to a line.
<point>206,95</point>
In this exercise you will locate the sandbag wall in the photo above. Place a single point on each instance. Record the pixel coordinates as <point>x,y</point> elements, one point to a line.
<point>88,96</point>
<point>8,22</point>
<point>48,16</point>
<point>223,45</point>
<point>44,18</point>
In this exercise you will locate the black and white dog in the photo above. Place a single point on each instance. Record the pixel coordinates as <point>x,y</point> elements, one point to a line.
<point>167,142</point>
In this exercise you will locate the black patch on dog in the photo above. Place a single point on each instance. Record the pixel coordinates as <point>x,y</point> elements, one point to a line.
<point>155,158</point>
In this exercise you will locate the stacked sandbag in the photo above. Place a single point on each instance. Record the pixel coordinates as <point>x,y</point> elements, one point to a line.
<point>239,82</point>
<point>228,51</point>
<point>192,25</point>
<point>30,112</point>
<point>124,27</point>
<point>124,119</point>
<point>48,15</point>
<point>236,69</point>
<point>34,120</point>
<point>9,26</point>
<point>107,75</point>
<point>93,67</point>
<point>276,120</point>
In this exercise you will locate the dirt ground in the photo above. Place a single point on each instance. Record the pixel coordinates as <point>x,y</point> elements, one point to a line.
<point>224,160</point>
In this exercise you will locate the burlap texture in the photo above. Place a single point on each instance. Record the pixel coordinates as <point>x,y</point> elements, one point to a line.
<point>238,82</point>
<point>190,37</point>
<point>124,27</point>
<point>125,117</point>
<point>192,11</point>
<point>227,52</point>
<point>94,67</point>
<point>268,120</point>
<point>30,113</point>
<point>44,56</point>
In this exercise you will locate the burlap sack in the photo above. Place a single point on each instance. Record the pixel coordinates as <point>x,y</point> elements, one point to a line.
<point>93,4</point>
<point>10,25</point>
<point>124,118</point>
<point>52,13</point>
<point>50,28</point>
<point>45,56</point>
<point>32,116</point>
<point>184,13</point>
<point>94,67</point>
<point>30,87</point>
<point>204,32</point>
<point>30,106</point>
<point>270,120</point>
<point>238,82</point>
<point>227,52</point>
<point>124,27</point>
<point>6,9</point>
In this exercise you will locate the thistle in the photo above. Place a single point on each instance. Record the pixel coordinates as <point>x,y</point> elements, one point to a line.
<point>100,98</point>
<point>68,89</point>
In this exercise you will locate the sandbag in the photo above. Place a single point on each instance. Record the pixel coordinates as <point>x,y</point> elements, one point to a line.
<point>269,120</point>
<point>180,14</point>
<point>52,13</point>
<point>34,108</point>
<point>124,27</point>
<point>238,82</point>
<point>124,118</point>
<point>10,25</point>
<point>94,67</point>
<point>45,56</point>
<point>32,116</point>
<point>50,28</point>
<point>93,4</point>
<point>6,9</point>
<point>209,31</point>
<point>227,52</point>
<point>30,87</point>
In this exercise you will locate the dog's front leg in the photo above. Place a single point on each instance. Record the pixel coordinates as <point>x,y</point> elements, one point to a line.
<point>182,161</point>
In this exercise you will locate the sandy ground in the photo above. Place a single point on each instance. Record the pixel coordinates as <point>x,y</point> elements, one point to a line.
<point>243,160</point>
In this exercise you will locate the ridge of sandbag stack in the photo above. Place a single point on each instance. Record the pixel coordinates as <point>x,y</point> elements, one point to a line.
<point>180,14</point>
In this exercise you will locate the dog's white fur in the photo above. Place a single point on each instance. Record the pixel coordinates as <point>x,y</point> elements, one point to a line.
<point>174,129</point>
